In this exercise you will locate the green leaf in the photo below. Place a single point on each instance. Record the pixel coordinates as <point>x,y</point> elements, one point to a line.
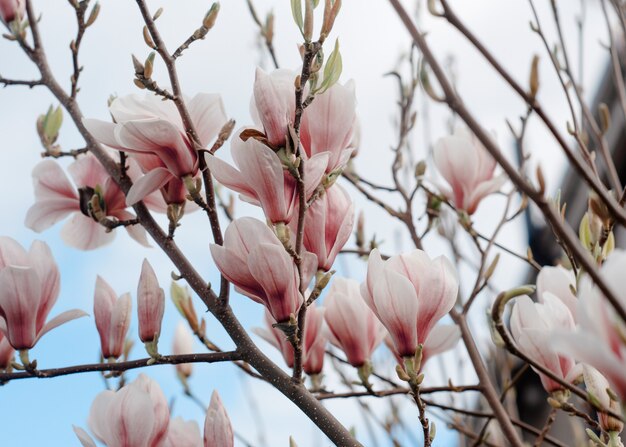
<point>332,70</point>
<point>52,122</point>
<point>296,11</point>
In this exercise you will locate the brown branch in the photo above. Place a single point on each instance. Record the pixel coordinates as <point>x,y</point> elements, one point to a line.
<point>213,357</point>
<point>29,84</point>
<point>266,34</point>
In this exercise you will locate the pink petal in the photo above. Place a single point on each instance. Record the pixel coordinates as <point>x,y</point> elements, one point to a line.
<point>83,437</point>
<point>208,116</point>
<point>48,272</point>
<point>147,184</point>
<point>84,233</point>
<point>19,303</point>
<point>104,132</point>
<point>218,431</point>
<point>161,138</point>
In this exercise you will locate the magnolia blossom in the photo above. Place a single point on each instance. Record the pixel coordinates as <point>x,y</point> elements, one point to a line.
<point>409,294</point>
<point>150,304</point>
<point>329,124</point>
<point>7,352</point>
<point>112,316</point>
<point>468,168</point>
<point>29,287</point>
<point>183,344</point>
<point>152,130</point>
<point>56,198</point>
<point>442,338</point>
<point>314,345</point>
<point>11,9</point>
<point>218,431</point>
<point>255,261</point>
<point>353,326</point>
<point>599,387</point>
<point>137,415</point>
<point>183,433</point>
<point>532,325</point>
<point>261,179</point>
<point>328,225</point>
<point>315,340</point>
<point>599,340</point>
<point>276,338</point>
<point>559,282</point>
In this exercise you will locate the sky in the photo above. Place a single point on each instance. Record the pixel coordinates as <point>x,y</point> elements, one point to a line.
<point>371,40</point>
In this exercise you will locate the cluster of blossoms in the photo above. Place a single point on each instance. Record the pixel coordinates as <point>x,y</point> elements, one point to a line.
<point>138,415</point>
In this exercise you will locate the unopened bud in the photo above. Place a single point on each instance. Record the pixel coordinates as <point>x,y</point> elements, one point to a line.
<point>211,16</point>
<point>534,77</point>
<point>605,117</point>
<point>95,11</point>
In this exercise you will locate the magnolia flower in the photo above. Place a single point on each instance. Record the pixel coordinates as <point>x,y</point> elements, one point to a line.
<point>442,338</point>
<point>56,198</point>
<point>151,127</point>
<point>112,316</point>
<point>559,282</point>
<point>29,287</point>
<point>327,125</point>
<point>183,344</point>
<point>315,339</point>
<point>261,179</point>
<point>353,326</point>
<point>255,261</point>
<point>532,325</point>
<point>276,338</point>
<point>6,352</point>
<point>183,433</point>
<point>328,225</point>
<point>409,294</point>
<point>218,431</point>
<point>150,304</point>
<point>599,340</point>
<point>468,168</point>
<point>137,415</point>
<point>599,387</point>
<point>12,9</point>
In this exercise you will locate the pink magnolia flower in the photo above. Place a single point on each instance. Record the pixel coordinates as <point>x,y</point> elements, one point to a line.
<point>442,338</point>
<point>532,325</point>
<point>409,294</point>
<point>183,433</point>
<point>56,198</point>
<point>183,344</point>
<point>328,225</point>
<point>29,287</point>
<point>328,123</point>
<point>468,168</point>
<point>112,316</point>
<point>559,282</point>
<point>261,179</point>
<point>150,304</point>
<point>276,338</point>
<point>315,340</point>
<point>598,387</point>
<point>255,261</point>
<point>137,415</point>
<point>12,9</point>
<point>153,130</point>
<point>599,339</point>
<point>218,431</point>
<point>353,326</point>
<point>7,352</point>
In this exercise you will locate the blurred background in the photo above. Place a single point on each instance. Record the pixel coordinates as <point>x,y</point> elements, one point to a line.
<point>373,43</point>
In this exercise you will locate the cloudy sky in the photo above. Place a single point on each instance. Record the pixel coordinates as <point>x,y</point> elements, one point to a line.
<point>39,412</point>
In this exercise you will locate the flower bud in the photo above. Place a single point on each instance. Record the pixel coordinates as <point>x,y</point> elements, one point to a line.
<point>598,387</point>
<point>218,431</point>
<point>11,10</point>
<point>150,304</point>
<point>183,344</point>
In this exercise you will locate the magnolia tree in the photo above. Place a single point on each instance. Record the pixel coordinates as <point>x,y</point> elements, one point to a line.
<point>165,152</point>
